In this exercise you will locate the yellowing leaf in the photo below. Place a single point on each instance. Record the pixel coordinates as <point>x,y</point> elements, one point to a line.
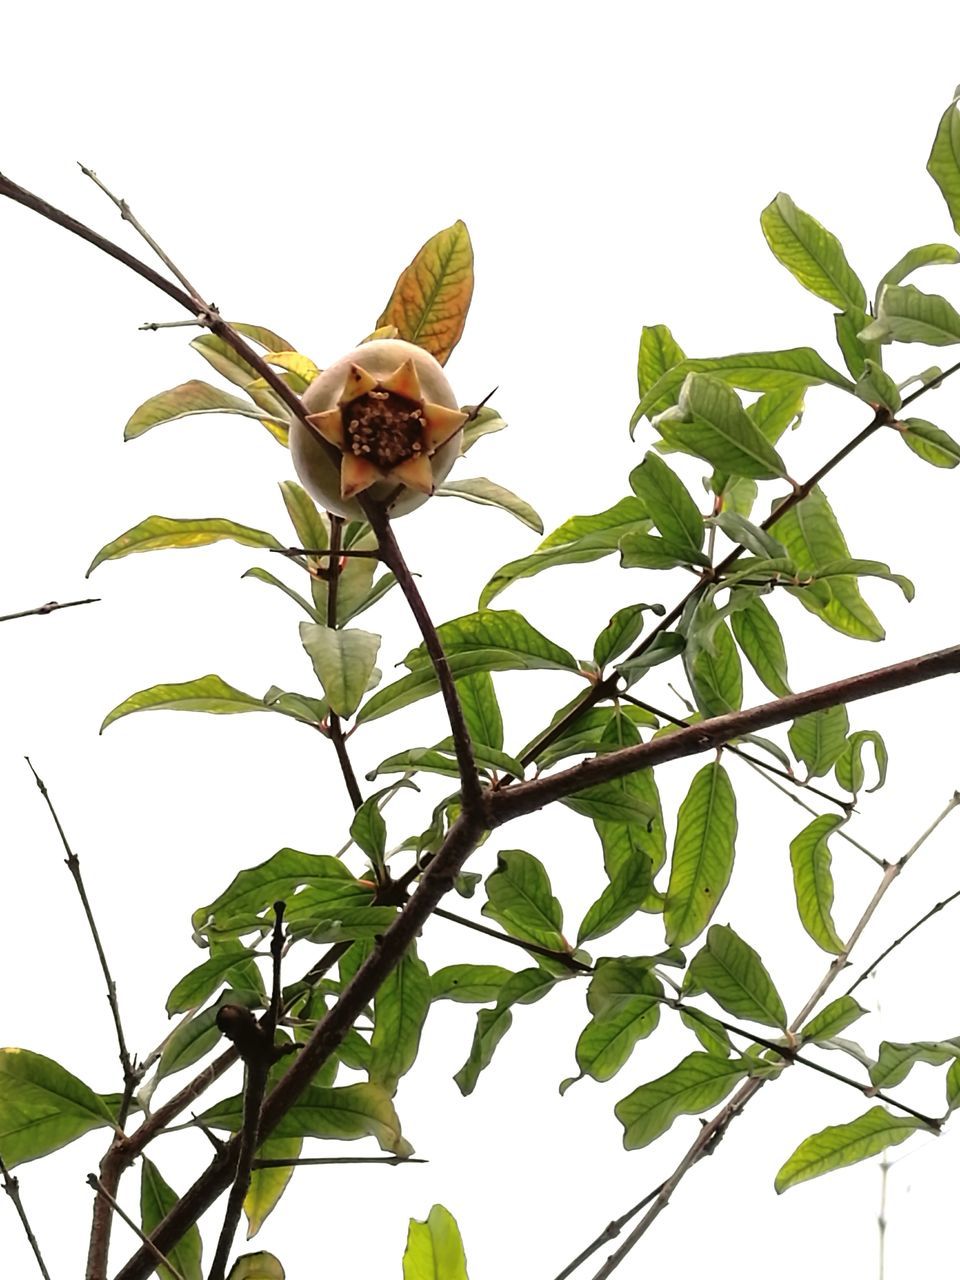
<point>430,300</point>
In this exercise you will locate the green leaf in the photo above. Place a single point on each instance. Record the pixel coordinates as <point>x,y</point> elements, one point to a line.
<point>188,399</point>
<point>525,987</point>
<point>207,693</point>
<point>667,645</point>
<point>711,1034</point>
<point>753,371</point>
<point>714,671</point>
<point>896,1060</point>
<point>759,637</point>
<point>925,255</point>
<point>480,489</point>
<point>813,880</point>
<point>232,966</point>
<point>520,899</point>
<point>579,540</point>
<point>849,567</point>
<point>343,662</point>
<point>624,895</point>
<point>844,1144</point>
<point>444,761</point>
<point>268,1185</point>
<point>775,411</point>
<point>944,162</point>
<point>491,640</point>
<point>849,767</point>
<point>434,1249</point>
<point>697,1083</point>
<point>257,1266</point>
<point>849,325</point>
<point>905,314</point>
<point>431,298</point>
<point>813,539</point>
<point>400,1009</point>
<point>953,1086</point>
<point>611,1035</point>
<point>929,442</point>
<point>156,1201</point>
<point>310,524</point>
<point>481,710</point>
<point>658,354</point>
<point>158,533</point>
<point>343,1114</point>
<point>831,1020</point>
<point>608,802</point>
<point>281,876</point>
<point>263,575</point>
<point>584,735</point>
<point>669,504</point>
<point>745,533</point>
<point>811,253</point>
<point>330,925</point>
<point>43,1107</point>
<point>818,739</point>
<point>623,630</point>
<point>645,551</point>
<point>710,422</point>
<point>263,337</point>
<point>483,422</point>
<point>369,831</point>
<point>729,970</point>
<point>703,852</point>
<point>469,983</point>
<point>631,844</point>
<point>877,388</point>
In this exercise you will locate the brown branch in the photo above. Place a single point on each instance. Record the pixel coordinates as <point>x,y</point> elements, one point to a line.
<point>50,607</point>
<point>334,727</point>
<point>471,791</point>
<point>257,1048</point>
<point>527,797</point>
<point>11,1186</point>
<point>296,1161</point>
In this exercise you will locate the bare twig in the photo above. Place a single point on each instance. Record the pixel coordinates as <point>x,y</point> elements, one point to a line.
<point>131,1075</point>
<point>326,552</point>
<point>11,1186</point>
<point>127,216</point>
<point>102,1193</point>
<point>610,1232</point>
<point>297,1161</point>
<point>561,957</point>
<point>50,607</point>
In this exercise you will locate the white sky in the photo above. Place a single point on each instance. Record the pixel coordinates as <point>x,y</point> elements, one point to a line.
<point>611,163</point>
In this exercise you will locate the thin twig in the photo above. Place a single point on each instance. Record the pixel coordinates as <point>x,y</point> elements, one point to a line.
<point>713,1131</point>
<point>766,765</point>
<point>561,957</point>
<point>297,1161</point>
<point>153,325</point>
<point>50,607</point>
<point>102,1192</point>
<point>610,1232</point>
<point>11,1186</point>
<point>127,216</point>
<point>130,1074</point>
<point>259,1054</point>
<point>326,552</point>
<point>791,1056</point>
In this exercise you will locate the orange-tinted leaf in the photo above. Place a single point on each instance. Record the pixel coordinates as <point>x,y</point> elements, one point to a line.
<point>430,301</point>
